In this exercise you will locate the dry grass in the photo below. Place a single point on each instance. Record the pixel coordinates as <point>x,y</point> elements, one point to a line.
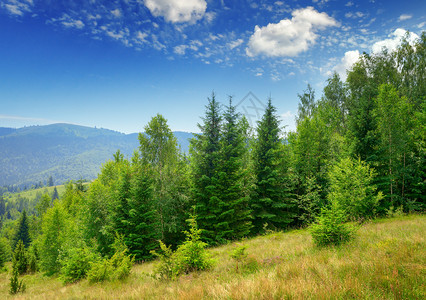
<point>386,261</point>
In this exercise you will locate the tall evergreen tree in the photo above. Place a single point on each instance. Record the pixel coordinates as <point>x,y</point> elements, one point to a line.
<point>22,231</point>
<point>143,230</point>
<point>206,151</point>
<point>234,220</point>
<point>270,204</point>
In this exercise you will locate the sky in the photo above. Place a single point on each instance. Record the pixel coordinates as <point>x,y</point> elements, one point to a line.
<point>116,64</point>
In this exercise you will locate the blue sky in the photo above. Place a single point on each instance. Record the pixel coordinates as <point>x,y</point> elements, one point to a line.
<point>115,64</point>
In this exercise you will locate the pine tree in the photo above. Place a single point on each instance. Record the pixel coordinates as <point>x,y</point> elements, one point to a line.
<point>22,231</point>
<point>20,258</point>
<point>55,194</point>
<point>234,221</point>
<point>205,150</point>
<point>270,204</point>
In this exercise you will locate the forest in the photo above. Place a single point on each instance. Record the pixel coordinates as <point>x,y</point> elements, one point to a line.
<point>358,152</point>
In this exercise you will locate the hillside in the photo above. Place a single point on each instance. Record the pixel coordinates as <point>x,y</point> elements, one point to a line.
<point>386,261</point>
<point>31,154</point>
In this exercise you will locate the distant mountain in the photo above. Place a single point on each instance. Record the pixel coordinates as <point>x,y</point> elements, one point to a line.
<point>29,155</point>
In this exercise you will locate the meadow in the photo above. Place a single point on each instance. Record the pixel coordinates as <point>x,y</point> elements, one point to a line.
<point>386,260</point>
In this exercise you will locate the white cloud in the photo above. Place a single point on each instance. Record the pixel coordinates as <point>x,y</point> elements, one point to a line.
<point>140,37</point>
<point>177,11</point>
<point>421,25</point>
<point>73,24</point>
<point>18,7</point>
<point>235,43</point>
<point>289,37</point>
<point>349,4</point>
<point>116,12</point>
<point>346,63</point>
<point>404,17</point>
<point>392,43</point>
<point>180,49</point>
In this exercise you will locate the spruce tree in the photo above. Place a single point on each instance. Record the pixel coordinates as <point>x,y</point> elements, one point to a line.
<point>234,220</point>
<point>270,204</point>
<point>142,234</point>
<point>206,150</point>
<point>22,231</point>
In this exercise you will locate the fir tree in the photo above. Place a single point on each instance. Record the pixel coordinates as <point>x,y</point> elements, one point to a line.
<point>205,150</point>
<point>234,220</point>
<point>270,204</point>
<point>22,231</point>
<point>142,234</point>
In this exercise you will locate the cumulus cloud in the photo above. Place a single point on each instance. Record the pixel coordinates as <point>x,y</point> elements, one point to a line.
<point>177,11</point>
<point>289,37</point>
<point>392,43</point>
<point>346,63</point>
<point>404,17</point>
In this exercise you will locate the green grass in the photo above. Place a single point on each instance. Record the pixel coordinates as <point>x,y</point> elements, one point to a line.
<point>387,260</point>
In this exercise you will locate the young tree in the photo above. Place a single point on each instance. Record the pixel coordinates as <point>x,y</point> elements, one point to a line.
<point>143,226</point>
<point>22,231</point>
<point>271,204</point>
<point>351,186</point>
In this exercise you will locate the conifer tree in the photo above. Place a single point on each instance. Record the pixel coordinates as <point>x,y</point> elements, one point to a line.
<point>22,231</point>
<point>234,220</point>
<point>143,229</point>
<point>205,150</point>
<point>270,204</point>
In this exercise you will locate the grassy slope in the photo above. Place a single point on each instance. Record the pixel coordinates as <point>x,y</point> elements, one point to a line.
<point>386,261</point>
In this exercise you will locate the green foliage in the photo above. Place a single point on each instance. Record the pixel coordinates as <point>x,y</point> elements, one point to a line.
<point>20,259</point>
<point>4,252</point>
<point>330,227</point>
<point>351,186</point>
<point>16,285</point>
<point>77,263</point>
<point>33,259</point>
<point>188,257</point>
<point>271,202</point>
<point>310,202</point>
<point>143,226</point>
<point>205,154</point>
<point>22,231</point>
<point>55,227</point>
<point>117,267</point>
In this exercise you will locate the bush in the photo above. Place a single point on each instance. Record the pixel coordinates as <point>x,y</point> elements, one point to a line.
<point>190,256</point>
<point>76,264</point>
<point>117,267</point>
<point>330,227</point>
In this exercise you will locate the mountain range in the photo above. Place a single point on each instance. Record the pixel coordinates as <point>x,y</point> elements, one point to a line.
<point>32,154</point>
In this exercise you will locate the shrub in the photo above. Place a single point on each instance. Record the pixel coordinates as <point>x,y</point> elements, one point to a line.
<point>188,257</point>
<point>330,227</point>
<point>116,267</point>
<point>76,264</point>
<point>239,254</point>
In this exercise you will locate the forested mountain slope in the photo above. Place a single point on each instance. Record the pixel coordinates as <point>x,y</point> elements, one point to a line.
<point>31,154</point>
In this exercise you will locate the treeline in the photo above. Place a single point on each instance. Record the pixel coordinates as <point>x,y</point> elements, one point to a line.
<point>360,147</point>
